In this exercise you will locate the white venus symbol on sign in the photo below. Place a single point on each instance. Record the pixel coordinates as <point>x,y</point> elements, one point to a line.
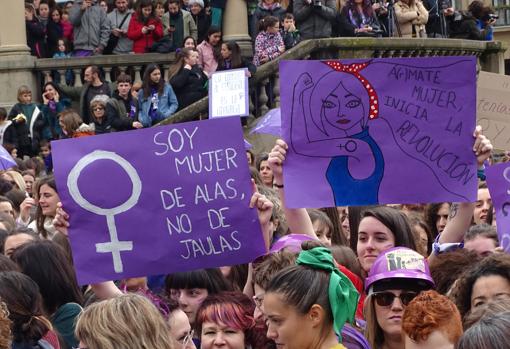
<point>114,246</point>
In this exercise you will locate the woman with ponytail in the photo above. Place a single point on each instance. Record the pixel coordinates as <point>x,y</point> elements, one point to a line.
<point>30,327</point>
<point>187,79</point>
<point>300,316</point>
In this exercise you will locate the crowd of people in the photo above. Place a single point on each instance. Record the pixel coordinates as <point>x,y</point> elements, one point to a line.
<point>382,277</point>
<point>193,30</point>
<point>88,27</point>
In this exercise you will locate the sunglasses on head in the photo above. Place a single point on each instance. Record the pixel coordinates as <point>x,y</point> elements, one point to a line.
<point>386,298</point>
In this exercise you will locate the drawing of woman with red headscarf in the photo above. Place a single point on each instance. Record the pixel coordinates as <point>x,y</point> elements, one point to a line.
<point>336,112</point>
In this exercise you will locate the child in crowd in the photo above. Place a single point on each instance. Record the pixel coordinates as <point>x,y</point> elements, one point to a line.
<point>269,43</point>
<point>45,153</point>
<point>67,27</point>
<point>28,122</point>
<point>63,50</point>
<point>290,34</point>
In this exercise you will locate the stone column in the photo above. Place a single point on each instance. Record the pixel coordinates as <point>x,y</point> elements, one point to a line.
<point>235,25</point>
<point>16,63</point>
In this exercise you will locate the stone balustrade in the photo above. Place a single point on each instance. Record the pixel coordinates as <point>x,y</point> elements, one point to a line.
<point>266,80</point>
<point>113,63</point>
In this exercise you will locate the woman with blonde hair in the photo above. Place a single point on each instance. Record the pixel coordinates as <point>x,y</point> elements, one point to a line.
<point>128,321</point>
<point>16,179</point>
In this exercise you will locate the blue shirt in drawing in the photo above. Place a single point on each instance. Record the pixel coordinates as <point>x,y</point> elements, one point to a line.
<point>345,187</point>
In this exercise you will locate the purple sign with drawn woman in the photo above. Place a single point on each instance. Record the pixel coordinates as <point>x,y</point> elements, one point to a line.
<point>379,131</point>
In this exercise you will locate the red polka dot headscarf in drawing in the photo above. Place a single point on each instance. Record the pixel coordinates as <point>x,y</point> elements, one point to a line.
<point>354,70</point>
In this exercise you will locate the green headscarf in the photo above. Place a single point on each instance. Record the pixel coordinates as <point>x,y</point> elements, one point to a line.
<point>343,296</point>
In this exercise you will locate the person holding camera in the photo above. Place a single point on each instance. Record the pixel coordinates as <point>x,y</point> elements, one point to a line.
<point>314,18</point>
<point>474,24</point>
<point>178,24</point>
<point>361,16</point>
<point>144,27</point>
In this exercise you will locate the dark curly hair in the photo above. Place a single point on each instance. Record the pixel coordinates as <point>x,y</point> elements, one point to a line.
<point>497,264</point>
<point>446,267</point>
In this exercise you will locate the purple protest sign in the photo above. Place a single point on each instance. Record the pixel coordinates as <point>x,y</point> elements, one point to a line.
<point>271,123</point>
<point>379,131</point>
<point>158,200</point>
<point>498,181</point>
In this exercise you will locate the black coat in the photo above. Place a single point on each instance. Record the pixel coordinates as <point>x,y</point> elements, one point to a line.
<point>245,63</point>
<point>464,26</point>
<point>203,22</point>
<point>27,145</point>
<point>54,32</point>
<point>10,136</point>
<point>189,85</point>
<point>117,110</point>
<point>36,38</point>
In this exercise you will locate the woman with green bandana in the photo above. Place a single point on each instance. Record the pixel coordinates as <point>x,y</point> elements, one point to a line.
<point>307,305</point>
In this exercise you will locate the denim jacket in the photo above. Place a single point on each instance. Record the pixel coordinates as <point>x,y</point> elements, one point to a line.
<point>167,105</point>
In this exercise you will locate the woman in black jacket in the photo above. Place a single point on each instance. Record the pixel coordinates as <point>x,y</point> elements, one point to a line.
<point>231,58</point>
<point>187,79</point>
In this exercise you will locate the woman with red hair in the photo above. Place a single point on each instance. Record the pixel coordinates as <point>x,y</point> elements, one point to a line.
<point>226,319</point>
<point>431,320</point>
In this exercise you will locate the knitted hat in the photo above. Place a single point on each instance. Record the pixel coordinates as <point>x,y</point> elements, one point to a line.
<point>101,99</point>
<point>198,2</point>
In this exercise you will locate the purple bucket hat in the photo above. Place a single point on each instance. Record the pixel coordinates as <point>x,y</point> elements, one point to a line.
<point>291,242</point>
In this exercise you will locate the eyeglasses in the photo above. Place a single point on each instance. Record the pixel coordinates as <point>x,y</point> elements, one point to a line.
<point>187,339</point>
<point>97,108</point>
<point>385,299</point>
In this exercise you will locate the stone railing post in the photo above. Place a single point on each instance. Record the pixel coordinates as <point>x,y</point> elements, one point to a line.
<point>493,60</point>
<point>235,25</point>
<point>16,63</point>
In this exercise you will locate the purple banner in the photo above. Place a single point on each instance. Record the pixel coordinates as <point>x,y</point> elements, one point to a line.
<point>498,181</point>
<point>379,131</point>
<point>271,123</point>
<point>158,200</point>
